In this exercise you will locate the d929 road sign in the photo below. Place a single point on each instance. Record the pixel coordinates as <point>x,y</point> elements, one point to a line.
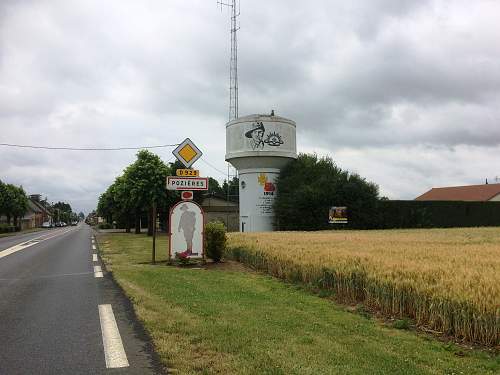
<point>187,172</point>
<point>187,183</point>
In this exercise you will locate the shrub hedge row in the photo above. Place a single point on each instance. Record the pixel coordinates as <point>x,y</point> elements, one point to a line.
<point>437,214</point>
<point>6,228</point>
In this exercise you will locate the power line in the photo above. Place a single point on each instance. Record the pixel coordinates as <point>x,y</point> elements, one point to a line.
<point>214,167</point>
<point>86,148</point>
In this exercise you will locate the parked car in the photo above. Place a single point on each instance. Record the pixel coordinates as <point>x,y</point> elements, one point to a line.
<point>73,223</point>
<point>47,224</point>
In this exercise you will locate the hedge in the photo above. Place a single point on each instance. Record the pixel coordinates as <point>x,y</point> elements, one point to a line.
<point>6,228</point>
<point>437,214</point>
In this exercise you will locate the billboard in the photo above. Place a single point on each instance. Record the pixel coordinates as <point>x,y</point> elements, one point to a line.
<point>337,215</point>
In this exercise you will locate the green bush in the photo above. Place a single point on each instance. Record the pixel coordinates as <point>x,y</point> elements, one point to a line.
<point>215,240</point>
<point>402,324</point>
<point>6,228</point>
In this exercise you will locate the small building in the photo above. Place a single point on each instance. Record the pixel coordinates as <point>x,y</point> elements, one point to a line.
<point>471,193</point>
<point>37,213</point>
<point>33,218</point>
<point>44,206</point>
<point>218,208</point>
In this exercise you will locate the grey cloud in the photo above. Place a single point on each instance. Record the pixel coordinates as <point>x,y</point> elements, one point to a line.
<point>366,80</point>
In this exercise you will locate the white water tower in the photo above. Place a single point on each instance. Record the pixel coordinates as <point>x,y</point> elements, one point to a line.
<point>258,146</point>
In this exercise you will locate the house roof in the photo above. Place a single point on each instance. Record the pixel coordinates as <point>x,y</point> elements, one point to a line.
<point>480,193</point>
<point>33,207</point>
<point>40,207</point>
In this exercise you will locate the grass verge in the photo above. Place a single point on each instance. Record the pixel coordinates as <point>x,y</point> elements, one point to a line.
<point>21,232</point>
<point>228,320</point>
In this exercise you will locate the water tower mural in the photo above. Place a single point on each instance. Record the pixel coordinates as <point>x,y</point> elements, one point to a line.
<point>258,146</point>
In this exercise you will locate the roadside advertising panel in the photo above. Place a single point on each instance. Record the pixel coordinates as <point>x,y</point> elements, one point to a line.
<point>337,215</point>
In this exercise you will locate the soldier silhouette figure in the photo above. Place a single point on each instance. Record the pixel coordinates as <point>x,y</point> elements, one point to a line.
<point>187,224</point>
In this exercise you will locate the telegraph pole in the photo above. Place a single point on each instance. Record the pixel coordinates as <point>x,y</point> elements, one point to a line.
<point>154,232</point>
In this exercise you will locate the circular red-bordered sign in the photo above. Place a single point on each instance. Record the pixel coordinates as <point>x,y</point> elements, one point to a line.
<point>187,195</point>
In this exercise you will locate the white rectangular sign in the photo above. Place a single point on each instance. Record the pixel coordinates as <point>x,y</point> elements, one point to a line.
<point>187,183</point>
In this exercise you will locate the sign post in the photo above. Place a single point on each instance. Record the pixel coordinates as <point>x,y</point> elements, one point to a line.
<point>154,232</point>
<point>187,219</point>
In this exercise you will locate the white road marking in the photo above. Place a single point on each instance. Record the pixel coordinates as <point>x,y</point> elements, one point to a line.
<point>93,247</point>
<point>93,240</point>
<point>98,271</point>
<point>114,353</point>
<point>26,244</point>
<point>94,257</point>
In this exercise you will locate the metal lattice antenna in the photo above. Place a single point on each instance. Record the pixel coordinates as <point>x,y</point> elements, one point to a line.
<point>233,64</point>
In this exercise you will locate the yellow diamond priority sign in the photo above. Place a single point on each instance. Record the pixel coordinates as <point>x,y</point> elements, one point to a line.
<point>187,153</point>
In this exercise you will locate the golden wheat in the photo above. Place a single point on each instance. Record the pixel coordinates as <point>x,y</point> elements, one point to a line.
<point>447,280</point>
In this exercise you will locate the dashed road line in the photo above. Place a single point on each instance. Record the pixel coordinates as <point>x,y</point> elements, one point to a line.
<point>98,271</point>
<point>93,247</point>
<point>94,257</point>
<point>114,352</point>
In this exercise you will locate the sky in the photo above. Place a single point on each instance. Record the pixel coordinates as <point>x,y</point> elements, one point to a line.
<point>405,93</point>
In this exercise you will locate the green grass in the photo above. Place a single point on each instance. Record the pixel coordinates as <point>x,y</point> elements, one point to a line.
<point>21,232</point>
<point>231,321</point>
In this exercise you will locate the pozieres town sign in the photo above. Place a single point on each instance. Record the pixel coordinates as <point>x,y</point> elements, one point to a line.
<point>187,183</point>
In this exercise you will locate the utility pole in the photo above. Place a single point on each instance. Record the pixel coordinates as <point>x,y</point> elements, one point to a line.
<point>154,233</point>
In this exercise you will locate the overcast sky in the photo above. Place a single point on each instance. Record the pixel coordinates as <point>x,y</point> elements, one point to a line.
<point>404,92</point>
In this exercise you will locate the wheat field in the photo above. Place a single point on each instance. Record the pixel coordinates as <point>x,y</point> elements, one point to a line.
<point>447,280</point>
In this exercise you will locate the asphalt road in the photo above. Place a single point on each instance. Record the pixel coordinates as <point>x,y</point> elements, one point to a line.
<point>50,319</point>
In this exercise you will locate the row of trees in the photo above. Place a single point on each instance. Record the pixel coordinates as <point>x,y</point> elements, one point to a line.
<point>13,202</point>
<point>62,211</point>
<point>132,195</point>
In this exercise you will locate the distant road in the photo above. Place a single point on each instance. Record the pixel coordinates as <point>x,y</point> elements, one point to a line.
<point>58,315</point>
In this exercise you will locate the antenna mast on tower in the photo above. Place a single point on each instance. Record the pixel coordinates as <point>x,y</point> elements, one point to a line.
<point>233,64</point>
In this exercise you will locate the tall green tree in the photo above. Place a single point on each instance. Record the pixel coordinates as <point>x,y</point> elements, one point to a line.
<point>309,186</point>
<point>62,211</point>
<point>16,203</point>
<point>106,205</point>
<point>231,189</point>
<point>3,199</point>
<point>214,187</point>
<point>146,179</point>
